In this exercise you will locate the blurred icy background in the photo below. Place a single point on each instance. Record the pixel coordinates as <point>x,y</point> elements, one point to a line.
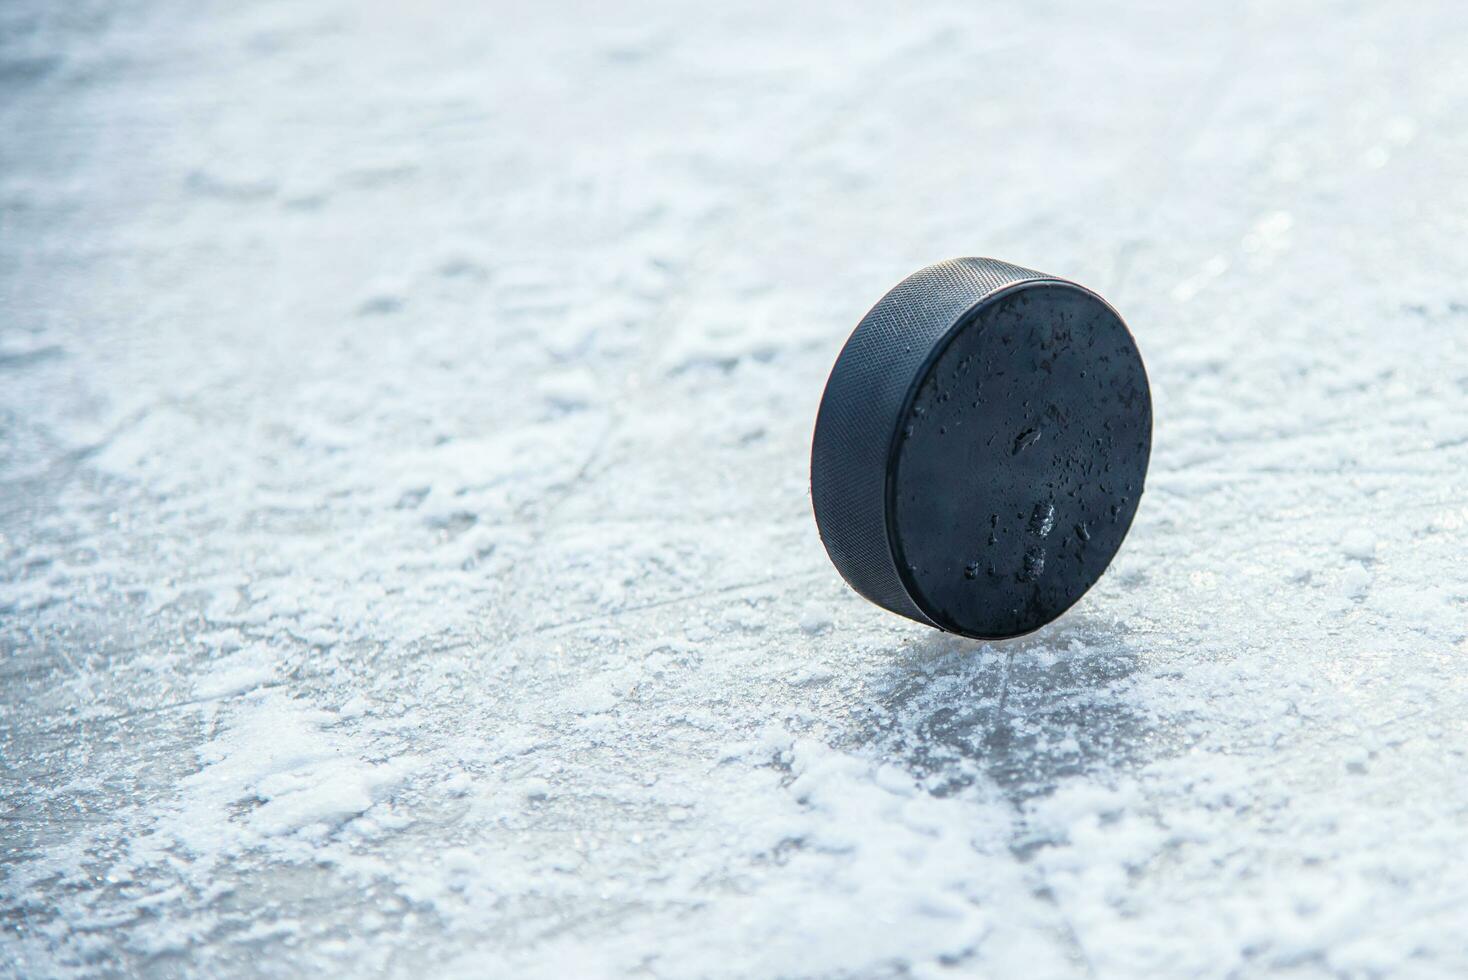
<point>407,559</point>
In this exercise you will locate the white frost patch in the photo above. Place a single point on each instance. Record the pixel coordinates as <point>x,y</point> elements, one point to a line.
<point>1358,543</point>
<point>814,618</point>
<point>235,676</point>
<point>354,707</point>
<point>845,871</point>
<point>1355,581</point>
<point>275,770</point>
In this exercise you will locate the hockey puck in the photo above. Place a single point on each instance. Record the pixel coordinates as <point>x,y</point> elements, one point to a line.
<point>981,447</point>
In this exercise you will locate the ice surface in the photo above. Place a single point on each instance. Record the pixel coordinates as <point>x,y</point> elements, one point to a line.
<point>407,557</point>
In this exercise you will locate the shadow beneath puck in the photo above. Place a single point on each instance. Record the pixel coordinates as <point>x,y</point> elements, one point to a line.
<point>1025,713</point>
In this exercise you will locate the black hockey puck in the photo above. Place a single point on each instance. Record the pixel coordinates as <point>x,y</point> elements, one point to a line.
<point>981,447</point>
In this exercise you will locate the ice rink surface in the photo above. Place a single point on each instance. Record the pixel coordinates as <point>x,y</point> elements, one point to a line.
<point>406,559</point>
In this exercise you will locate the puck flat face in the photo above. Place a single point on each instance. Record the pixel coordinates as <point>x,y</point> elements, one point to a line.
<point>981,447</point>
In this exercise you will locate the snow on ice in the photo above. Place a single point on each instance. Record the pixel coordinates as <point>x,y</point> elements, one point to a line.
<point>407,558</point>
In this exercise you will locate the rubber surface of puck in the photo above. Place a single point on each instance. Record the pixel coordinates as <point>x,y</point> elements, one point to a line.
<point>981,447</point>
